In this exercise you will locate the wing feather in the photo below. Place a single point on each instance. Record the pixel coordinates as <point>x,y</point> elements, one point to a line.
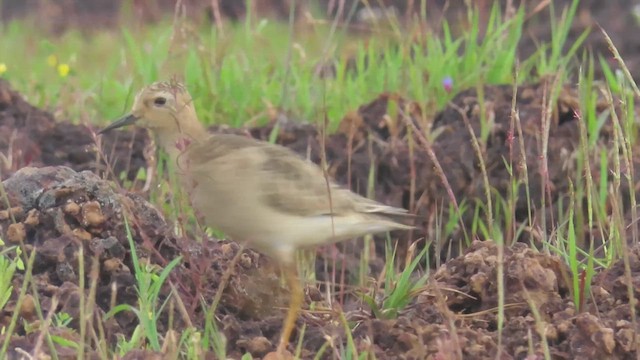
<point>280,178</point>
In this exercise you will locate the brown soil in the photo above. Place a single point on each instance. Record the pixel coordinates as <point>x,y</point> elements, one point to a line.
<point>31,137</point>
<point>59,209</point>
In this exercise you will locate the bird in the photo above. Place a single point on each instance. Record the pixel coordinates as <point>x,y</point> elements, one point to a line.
<point>257,193</point>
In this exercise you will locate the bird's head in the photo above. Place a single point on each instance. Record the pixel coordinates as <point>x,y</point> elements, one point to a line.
<point>163,107</point>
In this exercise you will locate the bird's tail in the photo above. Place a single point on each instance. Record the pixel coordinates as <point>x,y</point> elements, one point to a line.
<point>396,218</point>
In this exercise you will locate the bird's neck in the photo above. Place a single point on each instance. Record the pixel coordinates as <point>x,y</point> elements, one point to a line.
<point>176,142</point>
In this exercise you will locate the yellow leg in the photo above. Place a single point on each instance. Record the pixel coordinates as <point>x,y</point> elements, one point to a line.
<point>295,303</point>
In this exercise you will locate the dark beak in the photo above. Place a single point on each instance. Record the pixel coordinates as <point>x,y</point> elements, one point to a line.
<point>123,121</point>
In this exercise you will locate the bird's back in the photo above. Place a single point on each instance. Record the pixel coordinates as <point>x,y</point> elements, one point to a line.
<point>255,190</point>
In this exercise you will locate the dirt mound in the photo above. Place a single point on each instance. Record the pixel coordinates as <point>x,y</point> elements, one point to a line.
<point>57,211</point>
<point>31,137</point>
<point>457,314</point>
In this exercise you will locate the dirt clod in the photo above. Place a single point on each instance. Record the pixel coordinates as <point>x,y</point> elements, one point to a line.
<point>16,233</point>
<point>81,234</point>
<point>71,208</point>
<point>245,261</point>
<point>275,356</point>
<point>593,340</point>
<point>33,218</point>
<point>114,265</point>
<point>57,236</point>
<point>28,308</point>
<point>92,214</point>
<point>15,212</point>
<point>257,346</point>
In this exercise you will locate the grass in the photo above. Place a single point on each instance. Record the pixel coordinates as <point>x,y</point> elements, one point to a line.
<point>257,69</point>
<point>243,75</point>
<point>150,284</point>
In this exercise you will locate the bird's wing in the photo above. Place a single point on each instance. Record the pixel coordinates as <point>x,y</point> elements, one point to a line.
<point>275,176</point>
<point>291,184</point>
<point>280,178</point>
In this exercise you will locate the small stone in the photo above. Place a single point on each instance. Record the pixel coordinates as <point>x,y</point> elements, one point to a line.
<point>604,337</point>
<point>15,212</point>
<point>82,234</point>
<point>65,272</point>
<point>92,214</point>
<point>16,233</point>
<point>33,218</point>
<point>245,261</point>
<point>71,208</point>
<point>114,265</point>
<point>626,338</point>
<point>622,323</point>
<point>551,332</point>
<point>588,323</point>
<point>227,250</point>
<point>478,282</point>
<point>28,307</point>
<point>257,346</point>
<point>314,294</point>
<point>108,248</point>
<point>564,327</point>
<point>59,222</point>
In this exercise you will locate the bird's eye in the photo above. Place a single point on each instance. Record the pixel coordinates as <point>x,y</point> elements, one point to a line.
<point>160,101</point>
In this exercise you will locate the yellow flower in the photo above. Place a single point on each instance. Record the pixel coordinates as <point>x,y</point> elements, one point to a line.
<point>3,68</point>
<point>52,60</point>
<point>63,70</point>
